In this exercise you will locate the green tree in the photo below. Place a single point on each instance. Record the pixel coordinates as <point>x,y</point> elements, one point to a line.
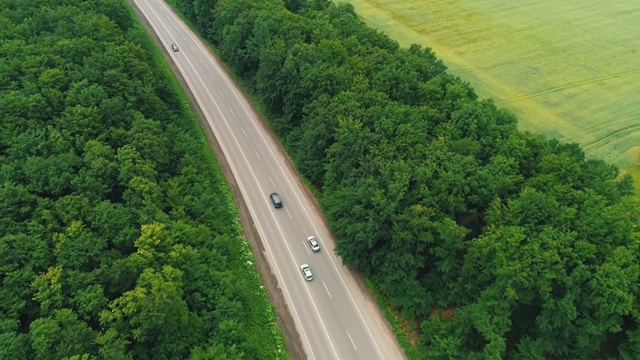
<point>14,344</point>
<point>98,176</point>
<point>51,176</point>
<point>61,335</point>
<point>147,137</point>
<point>146,312</point>
<point>78,249</point>
<point>16,205</point>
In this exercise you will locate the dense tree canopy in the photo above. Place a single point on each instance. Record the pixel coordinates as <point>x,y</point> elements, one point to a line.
<point>116,228</point>
<point>502,244</point>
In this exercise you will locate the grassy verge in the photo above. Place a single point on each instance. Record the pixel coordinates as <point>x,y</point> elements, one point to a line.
<point>263,310</point>
<point>406,330</point>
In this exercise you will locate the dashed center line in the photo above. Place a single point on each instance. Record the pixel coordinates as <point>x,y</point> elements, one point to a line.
<point>232,93</point>
<point>258,156</point>
<point>270,179</point>
<point>233,112</point>
<point>245,133</point>
<point>221,93</point>
<point>352,343</point>
<point>325,287</point>
<point>289,213</point>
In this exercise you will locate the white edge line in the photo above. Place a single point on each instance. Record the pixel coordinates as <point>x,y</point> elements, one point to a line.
<point>251,209</point>
<point>253,121</point>
<point>225,77</point>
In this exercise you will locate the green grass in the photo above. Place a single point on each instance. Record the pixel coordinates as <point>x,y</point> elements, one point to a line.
<point>569,69</point>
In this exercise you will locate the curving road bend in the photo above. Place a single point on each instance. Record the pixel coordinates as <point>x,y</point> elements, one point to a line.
<point>333,316</point>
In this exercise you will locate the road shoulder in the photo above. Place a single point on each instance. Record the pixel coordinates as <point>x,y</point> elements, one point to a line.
<point>285,320</point>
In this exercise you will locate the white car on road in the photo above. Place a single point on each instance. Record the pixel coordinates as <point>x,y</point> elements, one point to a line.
<point>313,243</point>
<point>306,272</point>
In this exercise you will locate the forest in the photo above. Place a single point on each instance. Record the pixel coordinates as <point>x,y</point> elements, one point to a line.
<point>119,237</point>
<point>496,243</point>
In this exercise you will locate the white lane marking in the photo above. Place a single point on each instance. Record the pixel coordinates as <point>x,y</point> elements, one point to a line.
<point>211,76</point>
<point>245,133</point>
<point>352,343</point>
<point>288,213</point>
<point>184,38</point>
<point>270,179</point>
<point>325,287</point>
<point>233,112</point>
<point>174,25</point>
<point>258,156</point>
<point>309,253</point>
<point>201,61</point>
<point>233,169</point>
<point>255,124</point>
<point>251,209</point>
<point>344,284</point>
<point>254,214</point>
<point>221,93</point>
<point>193,51</point>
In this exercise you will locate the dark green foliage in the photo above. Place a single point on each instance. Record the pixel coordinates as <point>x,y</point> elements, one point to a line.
<point>117,236</point>
<point>503,244</point>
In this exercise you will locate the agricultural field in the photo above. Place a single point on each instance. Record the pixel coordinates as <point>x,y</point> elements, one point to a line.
<point>569,69</point>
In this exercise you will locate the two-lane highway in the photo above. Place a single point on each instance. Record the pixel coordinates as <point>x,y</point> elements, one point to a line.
<point>334,318</point>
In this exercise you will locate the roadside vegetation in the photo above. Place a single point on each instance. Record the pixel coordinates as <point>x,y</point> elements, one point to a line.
<point>118,234</point>
<point>497,243</point>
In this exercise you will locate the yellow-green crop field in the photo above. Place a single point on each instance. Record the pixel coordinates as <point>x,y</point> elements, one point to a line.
<point>567,68</point>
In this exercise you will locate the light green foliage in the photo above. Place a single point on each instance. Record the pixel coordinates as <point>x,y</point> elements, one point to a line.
<point>118,235</point>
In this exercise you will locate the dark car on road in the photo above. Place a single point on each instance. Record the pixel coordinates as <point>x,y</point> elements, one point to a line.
<point>276,200</point>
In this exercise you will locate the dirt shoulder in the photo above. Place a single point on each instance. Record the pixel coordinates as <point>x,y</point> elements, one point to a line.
<point>285,321</point>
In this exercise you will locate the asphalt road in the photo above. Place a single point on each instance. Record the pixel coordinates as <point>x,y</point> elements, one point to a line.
<point>334,317</point>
